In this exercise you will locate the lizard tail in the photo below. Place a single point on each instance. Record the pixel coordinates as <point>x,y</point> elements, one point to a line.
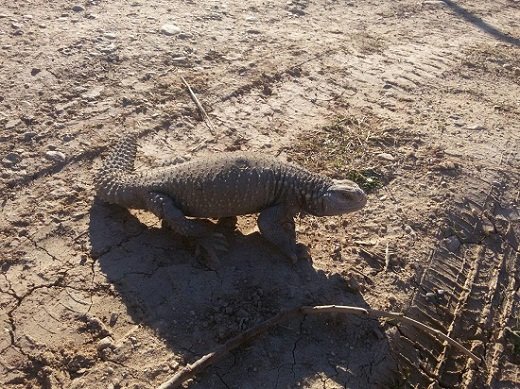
<point>118,165</point>
<point>122,156</point>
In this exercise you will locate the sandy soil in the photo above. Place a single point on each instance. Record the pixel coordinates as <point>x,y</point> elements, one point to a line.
<point>418,100</point>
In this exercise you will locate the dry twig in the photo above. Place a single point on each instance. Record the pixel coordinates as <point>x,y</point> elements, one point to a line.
<point>203,113</point>
<point>191,370</point>
<point>387,257</point>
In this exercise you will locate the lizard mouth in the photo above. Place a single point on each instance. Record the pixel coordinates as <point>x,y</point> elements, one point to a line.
<point>356,197</point>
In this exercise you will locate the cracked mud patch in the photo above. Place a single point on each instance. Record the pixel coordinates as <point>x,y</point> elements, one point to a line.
<point>416,100</point>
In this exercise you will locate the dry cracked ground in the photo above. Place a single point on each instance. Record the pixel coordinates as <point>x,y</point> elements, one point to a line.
<point>419,101</point>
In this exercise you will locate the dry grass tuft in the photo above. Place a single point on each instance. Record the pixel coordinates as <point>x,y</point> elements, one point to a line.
<point>352,147</point>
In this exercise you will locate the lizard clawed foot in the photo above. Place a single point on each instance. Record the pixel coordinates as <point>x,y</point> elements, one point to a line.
<point>303,252</point>
<point>207,248</point>
<point>228,223</point>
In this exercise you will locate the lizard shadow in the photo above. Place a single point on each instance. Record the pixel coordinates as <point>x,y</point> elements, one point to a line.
<point>194,310</point>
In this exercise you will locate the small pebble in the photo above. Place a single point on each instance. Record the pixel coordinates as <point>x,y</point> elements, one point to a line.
<point>110,35</point>
<point>113,319</point>
<point>408,229</point>
<point>29,135</point>
<point>12,124</point>
<point>104,343</point>
<point>93,93</point>
<point>56,156</point>
<point>476,127</point>
<point>297,11</point>
<point>386,156</point>
<point>169,29</point>
<point>452,243</point>
<point>78,8</point>
<point>11,159</point>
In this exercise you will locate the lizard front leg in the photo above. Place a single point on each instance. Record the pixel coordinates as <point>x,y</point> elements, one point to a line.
<point>277,226</point>
<point>209,241</point>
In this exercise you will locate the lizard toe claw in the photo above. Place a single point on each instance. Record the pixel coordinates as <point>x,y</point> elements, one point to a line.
<point>208,246</point>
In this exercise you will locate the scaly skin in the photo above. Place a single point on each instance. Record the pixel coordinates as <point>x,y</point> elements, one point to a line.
<point>225,185</point>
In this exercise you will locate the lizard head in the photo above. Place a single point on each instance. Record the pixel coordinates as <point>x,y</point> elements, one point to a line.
<point>343,196</point>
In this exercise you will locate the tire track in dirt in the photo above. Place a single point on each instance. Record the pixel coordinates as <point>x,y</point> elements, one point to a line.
<point>470,292</point>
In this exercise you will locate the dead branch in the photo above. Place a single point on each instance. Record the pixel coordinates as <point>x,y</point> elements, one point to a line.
<point>203,113</point>
<point>191,370</point>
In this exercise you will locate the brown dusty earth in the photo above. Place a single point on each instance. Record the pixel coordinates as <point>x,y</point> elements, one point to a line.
<point>419,101</point>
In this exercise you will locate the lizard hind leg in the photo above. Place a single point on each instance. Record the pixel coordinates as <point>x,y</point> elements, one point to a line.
<point>208,242</point>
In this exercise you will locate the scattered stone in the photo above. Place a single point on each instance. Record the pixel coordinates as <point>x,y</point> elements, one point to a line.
<point>409,230</point>
<point>180,59</point>
<point>35,71</point>
<point>29,135</point>
<point>386,156</point>
<point>297,11</point>
<point>507,66</point>
<point>59,108</point>
<point>78,8</point>
<point>56,156</point>
<point>113,319</point>
<point>110,35</point>
<point>170,29</point>
<point>487,226</point>
<point>95,325</point>
<point>459,123</point>
<point>93,93</point>
<point>476,127</point>
<point>452,243</point>
<point>108,49</point>
<point>104,343</point>
<point>11,159</point>
<point>12,124</point>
